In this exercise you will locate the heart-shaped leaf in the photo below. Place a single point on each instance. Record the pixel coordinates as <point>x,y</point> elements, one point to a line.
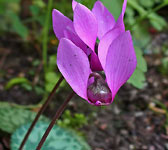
<point>11,117</point>
<point>58,139</point>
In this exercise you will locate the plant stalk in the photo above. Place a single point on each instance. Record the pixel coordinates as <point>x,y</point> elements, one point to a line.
<point>45,34</point>
<point>57,115</point>
<point>44,106</point>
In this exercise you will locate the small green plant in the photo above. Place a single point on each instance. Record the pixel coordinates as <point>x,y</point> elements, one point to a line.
<point>140,6</point>
<point>75,121</point>
<point>58,139</point>
<point>19,81</point>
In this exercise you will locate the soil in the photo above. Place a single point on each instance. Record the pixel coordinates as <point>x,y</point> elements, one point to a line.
<point>132,122</point>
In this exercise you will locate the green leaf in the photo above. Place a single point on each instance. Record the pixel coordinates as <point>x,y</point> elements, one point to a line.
<point>15,81</point>
<point>147,3</point>
<point>36,62</point>
<point>134,4</point>
<point>51,79</point>
<point>39,90</point>
<point>35,10</point>
<point>164,66</point>
<point>114,6</point>
<point>76,121</point>
<point>52,63</point>
<point>51,76</point>
<point>157,21</point>
<point>17,25</point>
<point>141,62</point>
<point>11,117</point>
<point>130,13</point>
<point>39,3</point>
<point>27,87</point>
<point>49,86</point>
<point>138,77</point>
<point>141,35</point>
<point>58,139</point>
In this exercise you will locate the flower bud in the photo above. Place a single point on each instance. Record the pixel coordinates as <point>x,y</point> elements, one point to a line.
<point>98,92</point>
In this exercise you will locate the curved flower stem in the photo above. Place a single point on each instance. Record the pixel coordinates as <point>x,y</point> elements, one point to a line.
<point>44,106</point>
<point>57,115</point>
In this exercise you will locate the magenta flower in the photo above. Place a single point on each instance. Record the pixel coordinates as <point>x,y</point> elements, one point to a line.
<point>95,71</point>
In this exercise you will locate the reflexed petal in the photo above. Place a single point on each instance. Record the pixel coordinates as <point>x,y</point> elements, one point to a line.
<point>94,62</point>
<point>74,3</point>
<point>121,62</point>
<point>71,35</point>
<point>74,66</point>
<point>120,21</point>
<point>105,43</point>
<point>124,8</point>
<point>60,22</point>
<point>85,25</point>
<point>105,19</point>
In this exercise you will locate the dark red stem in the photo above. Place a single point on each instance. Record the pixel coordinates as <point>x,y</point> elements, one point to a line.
<point>57,115</point>
<point>44,106</point>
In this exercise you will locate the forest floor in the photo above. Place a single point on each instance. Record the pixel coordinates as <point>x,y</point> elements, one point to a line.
<point>131,122</point>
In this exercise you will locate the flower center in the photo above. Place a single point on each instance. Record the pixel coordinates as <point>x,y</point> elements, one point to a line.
<point>98,92</point>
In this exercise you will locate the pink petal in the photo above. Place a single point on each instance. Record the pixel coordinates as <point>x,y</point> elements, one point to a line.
<point>74,3</point>
<point>120,21</point>
<point>105,43</point>
<point>71,35</point>
<point>74,66</point>
<point>121,62</point>
<point>60,22</point>
<point>105,19</point>
<point>85,25</point>
<point>94,62</point>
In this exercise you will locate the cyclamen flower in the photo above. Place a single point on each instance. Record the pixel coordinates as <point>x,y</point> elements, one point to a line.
<point>82,61</point>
